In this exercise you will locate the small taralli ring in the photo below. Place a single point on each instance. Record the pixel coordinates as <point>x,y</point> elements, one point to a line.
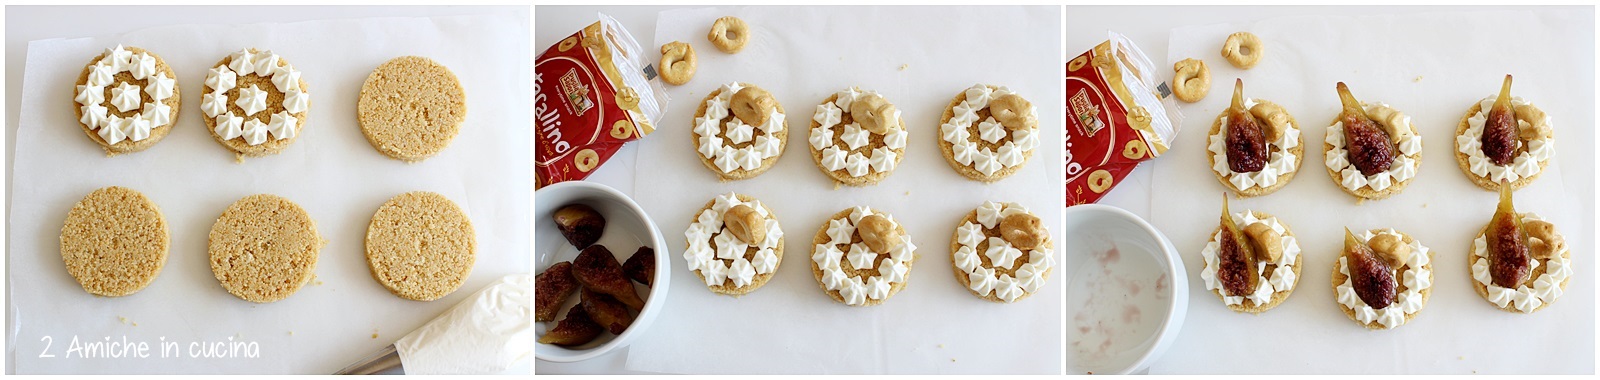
<point>568,43</point>
<point>1191,80</point>
<point>622,129</point>
<point>1234,50</point>
<point>1134,150</point>
<point>677,63</point>
<point>729,34</point>
<point>586,160</point>
<point>1099,181</point>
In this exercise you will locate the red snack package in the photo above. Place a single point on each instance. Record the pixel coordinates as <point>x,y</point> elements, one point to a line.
<point>1118,115</point>
<point>593,92</point>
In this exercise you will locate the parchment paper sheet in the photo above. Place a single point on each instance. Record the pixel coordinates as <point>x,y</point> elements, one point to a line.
<point>801,55</point>
<point>1432,66</point>
<point>330,170</point>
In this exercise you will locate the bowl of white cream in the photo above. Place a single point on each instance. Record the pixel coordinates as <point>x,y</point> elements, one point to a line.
<point>1127,292</point>
<point>627,229</point>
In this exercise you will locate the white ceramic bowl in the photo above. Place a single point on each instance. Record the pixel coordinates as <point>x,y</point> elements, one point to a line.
<point>1127,292</point>
<point>627,229</point>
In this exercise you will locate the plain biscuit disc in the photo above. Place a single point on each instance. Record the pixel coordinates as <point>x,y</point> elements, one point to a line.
<point>264,248</point>
<point>420,246</point>
<point>114,242</point>
<point>411,107</point>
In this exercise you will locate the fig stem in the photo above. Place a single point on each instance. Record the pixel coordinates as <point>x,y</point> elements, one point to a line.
<point>1350,238</point>
<point>1238,94</point>
<point>1504,100</point>
<point>1351,105</point>
<point>1505,199</point>
<point>1227,220</point>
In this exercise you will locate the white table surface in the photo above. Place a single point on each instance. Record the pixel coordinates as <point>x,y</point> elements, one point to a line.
<point>1087,26</point>
<point>28,23</point>
<point>553,23</point>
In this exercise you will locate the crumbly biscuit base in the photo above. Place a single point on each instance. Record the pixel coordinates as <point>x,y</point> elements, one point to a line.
<point>114,242</point>
<point>411,108</point>
<point>264,248</point>
<point>420,246</point>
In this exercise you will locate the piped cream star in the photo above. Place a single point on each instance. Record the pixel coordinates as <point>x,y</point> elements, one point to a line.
<point>251,100</point>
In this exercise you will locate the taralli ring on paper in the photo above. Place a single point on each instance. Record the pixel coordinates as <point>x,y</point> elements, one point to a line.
<point>1243,50</point>
<point>1192,80</point>
<point>677,62</point>
<point>729,34</point>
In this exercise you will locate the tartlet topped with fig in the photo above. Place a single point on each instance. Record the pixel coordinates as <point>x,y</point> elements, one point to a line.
<point>1519,262</point>
<point>1254,146</point>
<point>1372,150</point>
<point>1504,139</point>
<point>1383,278</point>
<point>1252,261</point>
